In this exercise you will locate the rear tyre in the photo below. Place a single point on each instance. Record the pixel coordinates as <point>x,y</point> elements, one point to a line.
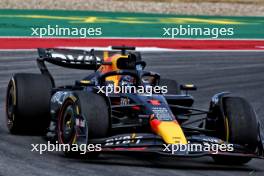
<point>27,103</point>
<point>172,86</point>
<point>90,110</point>
<point>241,127</point>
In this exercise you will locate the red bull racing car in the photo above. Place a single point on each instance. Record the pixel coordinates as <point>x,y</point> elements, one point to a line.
<point>165,122</point>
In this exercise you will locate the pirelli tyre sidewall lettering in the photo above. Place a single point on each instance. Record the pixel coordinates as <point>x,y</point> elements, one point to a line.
<point>77,123</point>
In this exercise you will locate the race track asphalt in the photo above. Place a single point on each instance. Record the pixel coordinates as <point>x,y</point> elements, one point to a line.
<point>239,72</point>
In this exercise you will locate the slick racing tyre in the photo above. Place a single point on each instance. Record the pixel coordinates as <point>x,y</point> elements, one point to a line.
<point>27,103</point>
<point>172,86</point>
<point>83,116</point>
<point>241,127</point>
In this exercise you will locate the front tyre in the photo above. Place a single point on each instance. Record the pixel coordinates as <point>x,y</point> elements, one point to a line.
<point>241,127</point>
<point>83,116</point>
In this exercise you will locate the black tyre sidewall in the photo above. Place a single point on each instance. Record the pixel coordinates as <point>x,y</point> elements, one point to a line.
<point>242,122</point>
<point>240,125</point>
<point>33,93</point>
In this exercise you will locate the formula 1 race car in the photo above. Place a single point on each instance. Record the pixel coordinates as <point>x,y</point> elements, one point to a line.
<point>85,113</point>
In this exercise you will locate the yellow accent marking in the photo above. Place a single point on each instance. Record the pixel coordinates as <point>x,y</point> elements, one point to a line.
<point>133,20</point>
<point>90,19</point>
<point>116,20</point>
<point>106,54</point>
<point>115,78</point>
<point>77,110</point>
<point>227,129</point>
<point>74,139</point>
<point>199,20</point>
<point>73,98</point>
<point>78,113</point>
<point>171,133</point>
<point>85,81</point>
<point>189,85</point>
<point>43,17</point>
<point>14,91</point>
<point>114,61</point>
<point>68,123</point>
<point>133,137</point>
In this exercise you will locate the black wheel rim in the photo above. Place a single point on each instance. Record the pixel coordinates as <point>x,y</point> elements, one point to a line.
<point>67,123</point>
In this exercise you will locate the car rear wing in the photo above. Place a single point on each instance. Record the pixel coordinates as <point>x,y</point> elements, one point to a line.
<point>87,60</point>
<point>71,58</point>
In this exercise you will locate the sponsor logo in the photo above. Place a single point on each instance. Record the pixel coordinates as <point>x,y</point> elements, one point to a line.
<point>123,140</point>
<point>79,59</point>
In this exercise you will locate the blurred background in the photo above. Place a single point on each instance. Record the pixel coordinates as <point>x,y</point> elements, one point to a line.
<point>185,7</point>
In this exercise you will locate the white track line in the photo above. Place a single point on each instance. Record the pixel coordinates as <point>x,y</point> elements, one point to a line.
<point>9,50</point>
